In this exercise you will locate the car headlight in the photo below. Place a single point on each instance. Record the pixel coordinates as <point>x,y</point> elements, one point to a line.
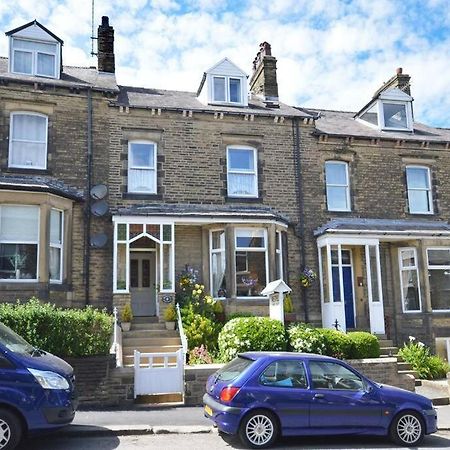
<point>49,380</point>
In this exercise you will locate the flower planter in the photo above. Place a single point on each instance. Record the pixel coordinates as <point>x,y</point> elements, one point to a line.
<point>170,325</point>
<point>126,326</point>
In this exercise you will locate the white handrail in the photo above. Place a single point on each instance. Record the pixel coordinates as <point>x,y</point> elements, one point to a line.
<point>184,341</point>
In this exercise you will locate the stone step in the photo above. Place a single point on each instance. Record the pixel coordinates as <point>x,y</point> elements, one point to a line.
<point>158,398</point>
<point>129,351</point>
<point>389,351</point>
<point>386,343</point>
<point>408,372</point>
<point>148,341</point>
<point>403,365</point>
<point>145,319</point>
<point>150,334</point>
<point>148,326</point>
<point>380,336</point>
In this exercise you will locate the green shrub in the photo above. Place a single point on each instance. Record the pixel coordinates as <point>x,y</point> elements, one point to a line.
<point>239,314</point>
<point>63,332</point>
<point>251,334</point>
<point>426,365</point>
<point>170,314</point>
<point>127,313</point>
<point>199,330</point>
<point>363,345</point>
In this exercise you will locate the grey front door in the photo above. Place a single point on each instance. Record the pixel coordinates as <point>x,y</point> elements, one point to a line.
<point>142,283</point>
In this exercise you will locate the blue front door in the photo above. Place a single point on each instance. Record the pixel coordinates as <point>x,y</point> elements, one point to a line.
<point>348,287</point>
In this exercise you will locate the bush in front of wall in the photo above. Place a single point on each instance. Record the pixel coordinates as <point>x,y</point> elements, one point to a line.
<point>63,332</point>
<point>127,313</point>
<point>363,345</point>
<point>426,365</point>
<point>244,334</point>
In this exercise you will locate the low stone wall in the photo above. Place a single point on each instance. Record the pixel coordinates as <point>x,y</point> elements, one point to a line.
<point>100,383</point>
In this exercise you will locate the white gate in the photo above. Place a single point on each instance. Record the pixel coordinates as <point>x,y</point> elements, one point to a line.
<point>158,373</point>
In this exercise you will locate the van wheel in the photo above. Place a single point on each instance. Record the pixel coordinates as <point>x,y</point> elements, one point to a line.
<point>10,430</point>
<point>259,429</point>
<point>407,429</point>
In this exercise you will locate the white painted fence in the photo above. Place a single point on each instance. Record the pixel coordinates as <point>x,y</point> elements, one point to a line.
<point>158,373</point>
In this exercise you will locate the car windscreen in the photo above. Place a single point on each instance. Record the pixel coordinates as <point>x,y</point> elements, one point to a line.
<point>13,342</point>
<point>233,369</point>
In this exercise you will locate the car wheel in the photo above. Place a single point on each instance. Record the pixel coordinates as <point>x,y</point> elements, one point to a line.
<point>259,429</point>
<point>407,429</point>
<point>10,430</point>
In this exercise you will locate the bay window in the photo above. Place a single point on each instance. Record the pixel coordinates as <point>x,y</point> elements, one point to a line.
<point>56,245</point>
<point>28,140</point>
<point>218,263</point>
<point>409,280</point>
<point>251,261</point>
<point>439,278</point>
<point>142,167</point>
<point>19,242</point>
<point>242,172</point>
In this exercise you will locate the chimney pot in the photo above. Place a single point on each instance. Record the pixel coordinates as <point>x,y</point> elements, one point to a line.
<point>399,71</point>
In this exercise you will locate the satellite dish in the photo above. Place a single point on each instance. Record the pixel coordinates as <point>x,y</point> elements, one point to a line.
<point>99,240</point>
<point>98,192</point>
<point>99,208</point>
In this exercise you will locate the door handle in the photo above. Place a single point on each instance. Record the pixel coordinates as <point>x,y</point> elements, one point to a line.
<point>319,396</point>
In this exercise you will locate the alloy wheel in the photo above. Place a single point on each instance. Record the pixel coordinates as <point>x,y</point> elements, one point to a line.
<point>409,429</point>
<point>259,430</point>
<point>5,433</point>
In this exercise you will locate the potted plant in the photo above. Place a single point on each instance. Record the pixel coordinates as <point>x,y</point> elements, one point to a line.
<point>219,311</point>
<point>170,316</point>
<point>289,314</point>
<point>127,317</point>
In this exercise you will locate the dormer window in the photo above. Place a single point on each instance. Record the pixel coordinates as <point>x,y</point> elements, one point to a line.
<point>34,51</point>
<point>224,84</point>
<point>390,111</point>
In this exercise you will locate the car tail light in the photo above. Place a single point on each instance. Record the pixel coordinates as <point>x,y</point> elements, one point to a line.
<point>228,393</point>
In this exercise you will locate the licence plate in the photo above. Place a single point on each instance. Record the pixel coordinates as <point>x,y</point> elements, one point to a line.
<point>208,410</point>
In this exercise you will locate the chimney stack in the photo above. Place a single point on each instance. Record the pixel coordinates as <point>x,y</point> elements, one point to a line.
<point>400,80</point>
<point>263,82</point>
<point>105,46</point>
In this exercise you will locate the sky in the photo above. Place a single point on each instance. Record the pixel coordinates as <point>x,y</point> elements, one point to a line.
<point>331,54</point>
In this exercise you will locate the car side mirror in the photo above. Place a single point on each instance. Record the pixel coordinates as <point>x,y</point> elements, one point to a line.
<point>368,388</point>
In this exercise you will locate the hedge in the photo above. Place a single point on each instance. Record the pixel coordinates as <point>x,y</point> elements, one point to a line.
<point>63,332</point>
<point>251,334</point>
<point>326,341</point>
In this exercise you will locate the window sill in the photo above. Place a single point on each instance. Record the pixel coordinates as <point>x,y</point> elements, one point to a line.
<point>421,213</point>
<point>32,171</point>
<point>229,199</point>
<point>440,311</point>
<point>141,196</point>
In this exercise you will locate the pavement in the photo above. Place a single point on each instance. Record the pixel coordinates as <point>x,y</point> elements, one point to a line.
<point>162,420</point>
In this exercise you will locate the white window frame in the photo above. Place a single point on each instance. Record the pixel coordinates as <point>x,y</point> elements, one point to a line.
<point>441,267</point>
<point>35,242</point>
<point>251,249</point>
<point>279,253</point>
<point>253,172</point>
<point>228,100</point>
<point>213,251</point>
<point>346,186</point>
<point>408,269</point>
<point>34,58</point>
<point>429,190</point>
<point>12,140</point>
<point>154,168</point>
<point>59,246</point>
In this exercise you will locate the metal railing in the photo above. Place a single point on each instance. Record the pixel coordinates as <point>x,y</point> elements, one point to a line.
<point>116,346</point>
<point>184,341</point>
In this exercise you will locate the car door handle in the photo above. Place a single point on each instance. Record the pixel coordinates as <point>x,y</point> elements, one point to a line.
<point>319,396</point>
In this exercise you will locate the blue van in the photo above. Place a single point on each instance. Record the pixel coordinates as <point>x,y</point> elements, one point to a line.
<point>37,391</point>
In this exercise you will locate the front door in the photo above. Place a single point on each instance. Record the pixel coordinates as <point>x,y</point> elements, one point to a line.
<point>347,278</point>
<point>142,283</point>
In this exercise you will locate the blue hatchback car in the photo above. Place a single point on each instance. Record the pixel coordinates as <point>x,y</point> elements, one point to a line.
<point>261,395</point>
<point>37,390</point>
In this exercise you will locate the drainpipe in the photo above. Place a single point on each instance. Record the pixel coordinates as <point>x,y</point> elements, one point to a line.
<point>301,206</point>
<point>87,211</point>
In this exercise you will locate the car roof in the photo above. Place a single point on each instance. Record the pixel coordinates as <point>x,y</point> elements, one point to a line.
<point>285,355</point>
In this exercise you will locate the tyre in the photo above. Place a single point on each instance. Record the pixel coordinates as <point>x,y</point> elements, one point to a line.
<point>259,429</point>
<point>407,429</point>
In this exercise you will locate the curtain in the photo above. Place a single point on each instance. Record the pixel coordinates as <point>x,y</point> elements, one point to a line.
<point>241,184</point>
<point>141,180</point>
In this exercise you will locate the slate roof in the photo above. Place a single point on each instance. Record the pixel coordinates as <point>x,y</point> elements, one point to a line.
<point>72,77</point>
<point>39,184</point>
<point>342,123</point>
<point>203,211</point>
<point>404,226</point>
<point>158,98</point>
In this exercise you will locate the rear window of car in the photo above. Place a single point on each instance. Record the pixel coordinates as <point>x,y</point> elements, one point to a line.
<point>234,368</point>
